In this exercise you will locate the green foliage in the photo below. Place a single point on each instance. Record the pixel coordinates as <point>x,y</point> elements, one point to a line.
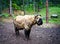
<point>55,20</point>
<point>4,4</point>
<point>30,8</point>
<point>15,6</point>
<point>52,10</point>
<point>6,15</point>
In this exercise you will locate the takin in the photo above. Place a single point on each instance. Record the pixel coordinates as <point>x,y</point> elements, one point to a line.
<point>26,22</point>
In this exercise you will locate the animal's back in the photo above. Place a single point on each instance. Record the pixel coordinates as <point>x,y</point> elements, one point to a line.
<point>24,20</point>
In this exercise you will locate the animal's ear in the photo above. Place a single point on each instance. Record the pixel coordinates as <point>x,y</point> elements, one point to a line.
<point>36,16</point>
<point>40,15</point>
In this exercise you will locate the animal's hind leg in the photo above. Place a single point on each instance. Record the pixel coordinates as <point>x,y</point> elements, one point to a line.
<point>27,33</point>
<point>16,31</point>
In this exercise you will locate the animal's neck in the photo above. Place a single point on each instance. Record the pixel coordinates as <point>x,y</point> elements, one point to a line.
<point>33,23</point>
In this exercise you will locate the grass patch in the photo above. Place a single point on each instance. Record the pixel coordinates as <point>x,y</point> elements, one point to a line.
<point>5,15</point>
<point>52,10</point>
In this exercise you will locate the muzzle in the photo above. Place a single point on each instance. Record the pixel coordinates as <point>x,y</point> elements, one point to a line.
<point>39,22</point>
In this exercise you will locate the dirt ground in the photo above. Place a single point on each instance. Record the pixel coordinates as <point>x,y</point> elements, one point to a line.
<point>39,34</point>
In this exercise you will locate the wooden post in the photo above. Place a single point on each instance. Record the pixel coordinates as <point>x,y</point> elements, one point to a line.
<point>10,7</point>
<point>37,6</point>
<point>46,11</point>
<point>23,7</point>
<point>0,6</point>
<point>34,7</point>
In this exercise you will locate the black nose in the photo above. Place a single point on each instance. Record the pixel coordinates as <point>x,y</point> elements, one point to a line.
<point>40,22</point>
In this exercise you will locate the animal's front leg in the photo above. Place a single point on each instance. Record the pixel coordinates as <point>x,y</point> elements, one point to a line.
<point>27,33</point>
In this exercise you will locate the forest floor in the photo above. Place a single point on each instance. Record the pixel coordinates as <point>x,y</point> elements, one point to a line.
<point>45,34</point>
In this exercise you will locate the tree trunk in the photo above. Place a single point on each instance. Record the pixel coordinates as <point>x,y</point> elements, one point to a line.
<point>10,10</point>
<point>0,6</point>
<point>23,7</point>
<point>46,11</point>
<point>34,6</point>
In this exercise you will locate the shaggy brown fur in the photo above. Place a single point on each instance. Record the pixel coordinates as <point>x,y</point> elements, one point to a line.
<point>25,22</point>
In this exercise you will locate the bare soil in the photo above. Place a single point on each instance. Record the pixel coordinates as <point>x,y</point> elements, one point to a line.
<point>45,34</point>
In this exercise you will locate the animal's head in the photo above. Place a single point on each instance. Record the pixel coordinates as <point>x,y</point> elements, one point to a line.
<point>38,20</point>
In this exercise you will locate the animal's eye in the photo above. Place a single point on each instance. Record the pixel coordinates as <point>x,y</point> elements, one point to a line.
<point>37,18</point>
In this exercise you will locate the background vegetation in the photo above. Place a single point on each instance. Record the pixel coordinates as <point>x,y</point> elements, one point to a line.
<point>31,7</point>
